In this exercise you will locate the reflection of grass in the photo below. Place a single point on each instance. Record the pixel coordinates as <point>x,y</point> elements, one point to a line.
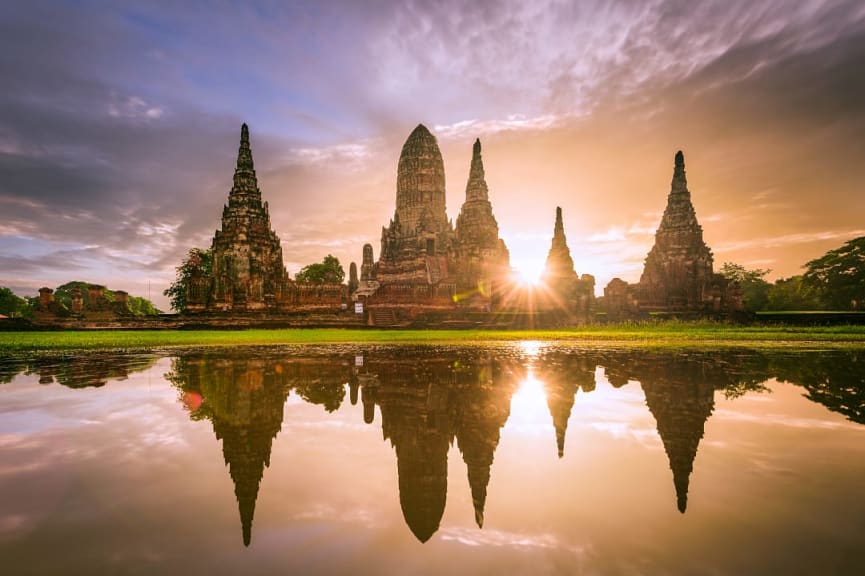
<point>668,334</point>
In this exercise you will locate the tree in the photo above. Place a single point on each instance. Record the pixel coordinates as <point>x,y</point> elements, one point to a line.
<point>793,294</point>
<point>197,261</point>
<point>328,271</point>
<point>755,289</point>
<point>11,304</point>
<point>839,275</point>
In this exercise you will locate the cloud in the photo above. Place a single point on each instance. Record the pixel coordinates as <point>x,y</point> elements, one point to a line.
<point>119,131</point>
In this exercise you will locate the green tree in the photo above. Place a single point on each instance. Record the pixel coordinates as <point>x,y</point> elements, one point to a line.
<point>755,290</point>
<point>839,275</point>
<point>197,261</point>
<point>11,304</point>
<point>328,271</point>
<point>793,294</point>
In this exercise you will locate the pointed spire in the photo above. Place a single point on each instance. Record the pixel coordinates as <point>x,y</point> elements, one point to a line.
<point>559,262</point>
<point>561,430</point>
<point>559,228</point>
<point>245,183</point>
<point>244,153</point>
<point>680,183</point>
<point>476,187</point>
<point>680,481</point>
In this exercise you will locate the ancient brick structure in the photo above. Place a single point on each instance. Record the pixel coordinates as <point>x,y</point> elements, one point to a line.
<point>416,244</point>
<point>678,270</point>
<point>482,256</point>
<point>678,274</point>
<point>247,256</point>
<point>563,290</point>
<point>248,273</point>
<point>425,264</point>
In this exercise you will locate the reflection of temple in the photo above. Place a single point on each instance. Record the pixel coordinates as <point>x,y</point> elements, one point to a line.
<point>483,404</point>
<point>680,394</point>
<point>244,398</point>
<point>244,401</point>
<point>681,409</point>
<point>90,370</point>
<point>428,400</point>
<point>563,376</point>
<point>424,406</point>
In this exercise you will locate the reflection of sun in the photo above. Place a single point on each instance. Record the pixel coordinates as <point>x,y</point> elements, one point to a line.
<point>529,409</point>
<point>531,348</point>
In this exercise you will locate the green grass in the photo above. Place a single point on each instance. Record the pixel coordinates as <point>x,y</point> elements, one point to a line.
<point>668,334</point>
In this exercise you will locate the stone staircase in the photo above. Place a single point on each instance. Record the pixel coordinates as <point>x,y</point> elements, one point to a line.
<point>382,316</point>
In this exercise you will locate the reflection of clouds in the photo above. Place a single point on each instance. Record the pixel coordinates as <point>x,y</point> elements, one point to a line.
<point>647,437</point>
<point>502,539</point>
<point>786,421</point>
<point>319,511</point>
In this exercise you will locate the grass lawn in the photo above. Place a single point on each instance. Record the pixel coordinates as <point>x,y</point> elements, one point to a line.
<point>667,334</point>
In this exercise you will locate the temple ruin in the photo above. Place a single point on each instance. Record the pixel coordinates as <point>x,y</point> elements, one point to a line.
<point>248,272</point>
<point>563,290</point>
<point>425,264</point>
<point>678,274</point>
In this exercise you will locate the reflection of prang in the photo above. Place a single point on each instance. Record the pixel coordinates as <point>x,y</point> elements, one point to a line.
<point>414,417</point>
<point>483,404</point>
<point>243,399</point>
<point>424,406</point>
<point>429,398</point>
<point>680,408</point>
<point>680,394</point>
<point>563,376</point>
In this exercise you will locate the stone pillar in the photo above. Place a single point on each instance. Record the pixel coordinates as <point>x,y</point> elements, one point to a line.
<point>367,270</point>
<point>46,297</point>
<point>77,301</point>
<point>95,293</point>
<point>352,278</point>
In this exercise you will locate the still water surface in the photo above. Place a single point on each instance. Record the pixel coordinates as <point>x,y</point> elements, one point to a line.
<point>524,458</point>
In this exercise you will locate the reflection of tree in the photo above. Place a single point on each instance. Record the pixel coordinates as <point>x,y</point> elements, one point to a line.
<point>835,380</point>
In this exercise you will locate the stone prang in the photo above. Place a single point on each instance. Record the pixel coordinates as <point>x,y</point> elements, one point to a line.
<point>247,256</point>
<point>482,255</point>
<point>678,270</point>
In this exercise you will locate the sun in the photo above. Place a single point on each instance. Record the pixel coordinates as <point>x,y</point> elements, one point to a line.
<point>528,274</point>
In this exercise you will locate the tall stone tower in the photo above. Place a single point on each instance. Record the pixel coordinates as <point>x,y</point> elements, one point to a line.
<point>560,265</point>
<point>482,254</point>
<point>248,270</point>
<point>678,270</point>
<point>415,245</point>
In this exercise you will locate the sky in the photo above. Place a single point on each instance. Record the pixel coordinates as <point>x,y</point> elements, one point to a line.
<point>120,122</point>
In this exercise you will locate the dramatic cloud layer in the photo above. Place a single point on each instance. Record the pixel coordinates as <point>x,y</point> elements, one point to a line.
<point>119,126</point>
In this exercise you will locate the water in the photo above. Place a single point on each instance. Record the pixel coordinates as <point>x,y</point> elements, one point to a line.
<point>524,458</point>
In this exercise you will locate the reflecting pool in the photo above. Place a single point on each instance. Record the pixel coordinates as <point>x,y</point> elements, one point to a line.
<point>528,458</point>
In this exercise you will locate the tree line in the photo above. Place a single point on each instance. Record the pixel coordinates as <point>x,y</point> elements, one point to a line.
<point>834,281</point>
